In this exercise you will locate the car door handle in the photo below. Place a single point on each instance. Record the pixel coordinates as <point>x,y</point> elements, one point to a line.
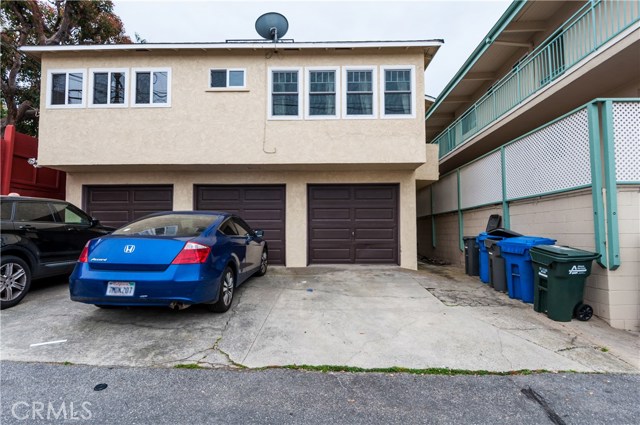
<point>27,227</point>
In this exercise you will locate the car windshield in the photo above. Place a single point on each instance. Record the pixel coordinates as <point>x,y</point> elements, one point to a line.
<point>172,225</point>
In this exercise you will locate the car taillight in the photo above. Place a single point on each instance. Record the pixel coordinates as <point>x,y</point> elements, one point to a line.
<point>192,253</point>
<point>84,255</point>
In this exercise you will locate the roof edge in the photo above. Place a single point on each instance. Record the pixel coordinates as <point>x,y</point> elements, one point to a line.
<point>512,11</point>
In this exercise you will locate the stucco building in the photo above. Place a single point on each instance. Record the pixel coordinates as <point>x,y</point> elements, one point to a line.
<point>322,145</point>
<point>541,125</point>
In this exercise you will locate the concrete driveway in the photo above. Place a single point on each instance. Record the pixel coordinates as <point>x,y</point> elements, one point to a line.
<point>361,316</point>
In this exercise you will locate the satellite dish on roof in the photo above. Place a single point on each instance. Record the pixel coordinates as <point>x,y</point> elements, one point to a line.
<point>272,26</point>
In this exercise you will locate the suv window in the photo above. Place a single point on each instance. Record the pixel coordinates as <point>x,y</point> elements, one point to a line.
<point>69,214</point>
<point>33,211</point>
<point>5,210</point>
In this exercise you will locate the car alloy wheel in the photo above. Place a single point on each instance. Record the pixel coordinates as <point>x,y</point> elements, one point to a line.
<point>227,288</point>
<point>264,262</point>
<point>14,281</point>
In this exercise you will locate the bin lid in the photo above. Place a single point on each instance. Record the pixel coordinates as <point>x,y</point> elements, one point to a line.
<point>563,254</point>
<point>503,233</point>
<point>485,235</point>
<point>521,244</point>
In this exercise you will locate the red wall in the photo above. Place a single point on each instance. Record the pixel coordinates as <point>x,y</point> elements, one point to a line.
<point>17,175</point>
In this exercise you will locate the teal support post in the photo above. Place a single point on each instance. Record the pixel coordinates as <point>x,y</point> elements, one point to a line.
<point>596,184</point>
<point>613,235</point>
<point>506,219</point>
<point>460,217</point>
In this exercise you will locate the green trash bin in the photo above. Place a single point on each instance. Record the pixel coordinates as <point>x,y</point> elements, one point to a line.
<point>560,273</point>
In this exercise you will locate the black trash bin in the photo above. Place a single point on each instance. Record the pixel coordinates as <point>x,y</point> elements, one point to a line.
<point>497,276</point>
<point>471,256</point>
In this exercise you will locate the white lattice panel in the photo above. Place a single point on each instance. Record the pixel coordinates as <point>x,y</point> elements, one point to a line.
<point>626,130</point>
<point>481,182</point>
<point>445,194</point>
<point>551,159</point>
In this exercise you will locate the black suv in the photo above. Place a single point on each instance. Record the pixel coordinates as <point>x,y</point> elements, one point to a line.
<point>39,238</point>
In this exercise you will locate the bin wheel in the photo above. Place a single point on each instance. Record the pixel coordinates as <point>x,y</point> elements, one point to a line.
<point>584,312</point>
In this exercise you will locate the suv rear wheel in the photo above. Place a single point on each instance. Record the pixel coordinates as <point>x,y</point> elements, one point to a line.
<point>15,281</point>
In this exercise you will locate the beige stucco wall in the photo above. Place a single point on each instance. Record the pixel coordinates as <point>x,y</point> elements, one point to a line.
<point>568,218</point>
<point>227,127</point>
<point>296,198</point>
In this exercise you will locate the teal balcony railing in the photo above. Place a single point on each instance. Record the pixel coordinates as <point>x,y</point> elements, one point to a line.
<point>597,22</point>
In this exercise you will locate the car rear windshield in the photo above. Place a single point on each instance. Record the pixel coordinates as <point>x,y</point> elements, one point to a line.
<point>174,226</point>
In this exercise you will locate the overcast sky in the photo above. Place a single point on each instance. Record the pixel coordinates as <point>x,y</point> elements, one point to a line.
<point>462,24</point>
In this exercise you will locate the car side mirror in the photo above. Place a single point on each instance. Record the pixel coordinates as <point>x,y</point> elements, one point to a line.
<point>259,233</point>
<point>94,222</point>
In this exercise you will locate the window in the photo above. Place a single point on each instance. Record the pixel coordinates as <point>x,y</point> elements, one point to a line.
<point>322,87</point>
<point>285,93</point>
<point>227,228</point>
<point>33,211</point>
<point>152,87</point>
<point>360,97</point>
<point>66,88</point>
<point>6,208</point>
<point>242,227</point>
<point>69,214</point>
<point>398,91</point>
<point>227,78</point>
<point>108,87</point>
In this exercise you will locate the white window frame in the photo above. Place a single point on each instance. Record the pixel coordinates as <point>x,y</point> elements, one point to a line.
<point>133,84</point>
<point>127,84</point>
<point>243,87</point>
<point>307,109</point>
<point>374,87</point>
<point>66,71</point>
<point>301,88</point>
<point>412,68</point>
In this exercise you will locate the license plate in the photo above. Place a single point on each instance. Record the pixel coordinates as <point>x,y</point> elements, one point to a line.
<point>121,289</point>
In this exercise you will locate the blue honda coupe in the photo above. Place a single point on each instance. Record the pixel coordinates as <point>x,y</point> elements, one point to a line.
<point>172,259</point>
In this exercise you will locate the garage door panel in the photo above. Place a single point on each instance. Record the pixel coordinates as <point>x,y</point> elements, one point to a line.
<point>262,206</point>
<point>331,214</point>
<point>117,205</point>
<point>375,214</point>
<point>353,224</point>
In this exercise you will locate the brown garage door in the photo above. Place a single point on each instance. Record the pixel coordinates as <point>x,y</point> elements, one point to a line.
<point>353,224</point>
<point>118,205</point>
<point>263,207</point>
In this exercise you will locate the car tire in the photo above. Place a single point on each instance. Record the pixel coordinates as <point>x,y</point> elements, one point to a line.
<point>106,307</point>
<point>14,274</point>
<point>264,263</point>
<point>225,292</point>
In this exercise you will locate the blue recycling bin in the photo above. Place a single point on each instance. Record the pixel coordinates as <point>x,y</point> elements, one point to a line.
<point>483,256</point>
<point>518,267</point>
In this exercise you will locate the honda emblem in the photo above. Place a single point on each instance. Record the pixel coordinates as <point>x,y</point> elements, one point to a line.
<point>128,249</point>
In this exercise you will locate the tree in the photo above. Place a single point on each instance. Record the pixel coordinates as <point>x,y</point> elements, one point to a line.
<point>46,23</point>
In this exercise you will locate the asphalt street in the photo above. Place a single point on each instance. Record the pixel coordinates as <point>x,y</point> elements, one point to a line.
<point>34,393</point>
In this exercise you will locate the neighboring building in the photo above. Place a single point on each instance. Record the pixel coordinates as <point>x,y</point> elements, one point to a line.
<point>542,126</point>
<point>319,144</point>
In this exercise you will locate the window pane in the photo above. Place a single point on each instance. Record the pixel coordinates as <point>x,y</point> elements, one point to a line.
<point>359,104</point>
<point>143,88</point>
<point>159,87</point>
<point>397,103</point>
<point>359,81</point>
<point>33,211</point>
<point>70,214</point>
<point>117,88</point>
<point>219,78</point>
<point>75,89</point>
<point>236,78</point>
<point>322,104</point>
<point>322,82</point>
<point>398,80</point>
<point>100,88</point>
<point>6,208</point>
<point>285,82</point>
<point>58,88</point>
<point>285,104</point>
